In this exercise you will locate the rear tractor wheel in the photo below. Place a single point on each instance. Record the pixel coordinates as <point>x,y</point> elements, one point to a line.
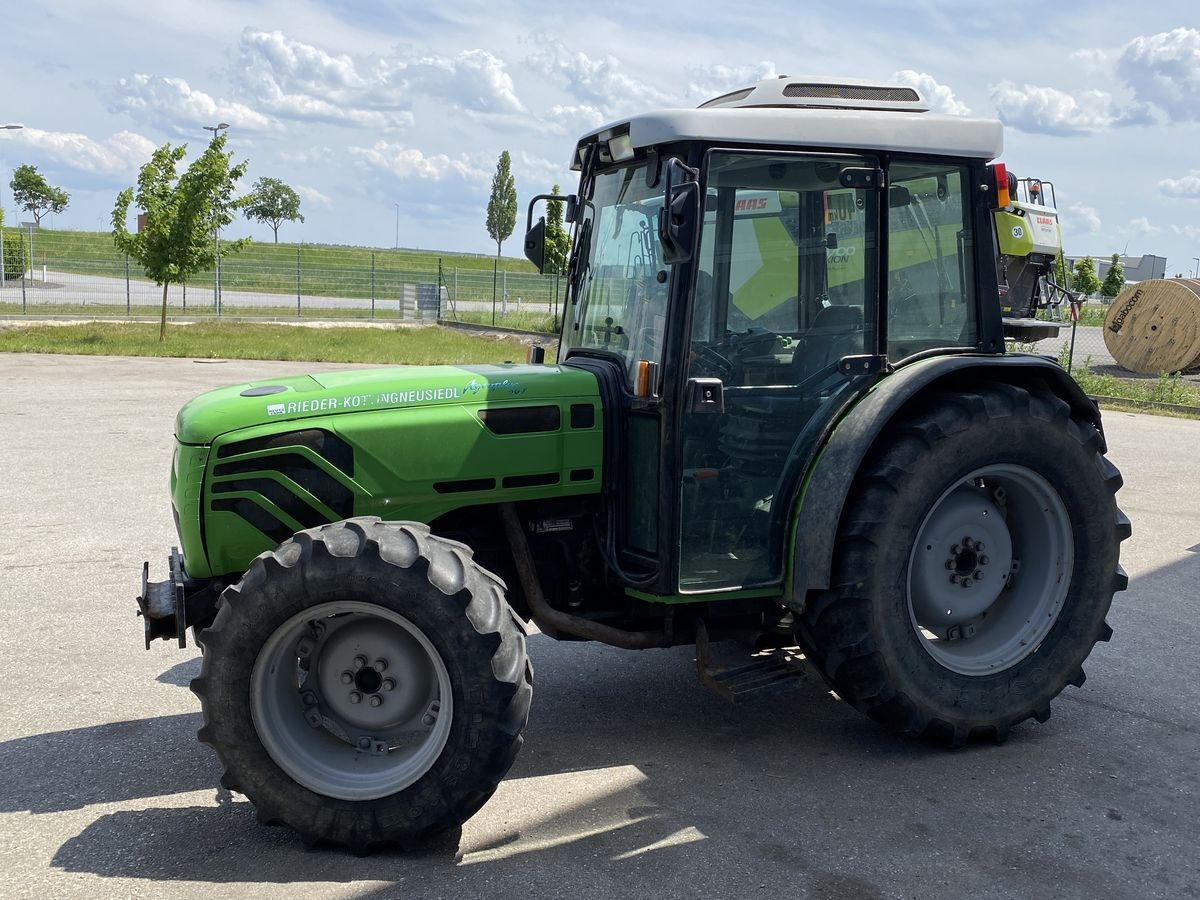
<point>365,684</point>
<point>977,559</point>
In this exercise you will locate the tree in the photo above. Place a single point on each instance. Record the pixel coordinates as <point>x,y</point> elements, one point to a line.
<point>558,239</point>
<point>35,195</point>
<point>1114,281</point>
<point>13,252</point>
<point>183,214</point>
<point>272,202</point>
<point>501,211</point>
<point>1061,277</point>
<point>1084,280</point>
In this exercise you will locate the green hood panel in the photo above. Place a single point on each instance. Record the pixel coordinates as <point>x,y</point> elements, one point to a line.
<point>412,443</point>
<point>227,409</point>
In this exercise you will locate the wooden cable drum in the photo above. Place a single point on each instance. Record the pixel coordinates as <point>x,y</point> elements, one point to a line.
<point>1154,326</point>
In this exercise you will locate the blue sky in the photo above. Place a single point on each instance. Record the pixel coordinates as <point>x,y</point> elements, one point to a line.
<point>362,105</point>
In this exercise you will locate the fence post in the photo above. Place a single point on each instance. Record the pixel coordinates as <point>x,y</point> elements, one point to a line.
<point>185,296</point>
<point>372,284</point>
<point>128,309</point>
<point>1,257</point>
<point>297,280</point>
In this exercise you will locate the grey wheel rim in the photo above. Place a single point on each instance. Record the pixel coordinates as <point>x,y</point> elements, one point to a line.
<point>351,700</point>
<point>990,569</point>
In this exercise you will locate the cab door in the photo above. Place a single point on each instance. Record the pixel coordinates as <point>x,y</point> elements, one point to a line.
<point>786,286</point>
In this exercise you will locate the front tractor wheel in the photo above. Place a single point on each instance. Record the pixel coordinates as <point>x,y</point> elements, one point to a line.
<point>977,559</point>
<point>365,684</point>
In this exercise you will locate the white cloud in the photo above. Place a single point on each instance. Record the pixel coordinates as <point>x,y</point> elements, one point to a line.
<point>120,154</point>
<point>1188,186</point>
<point>1094,60</point>
<point>940,97</point>
<point>1141,225</point>
<point>173,104</point>
<point>409,162</point>
<point>1164,69</point>
<point>1047,110</point>
<point>307,155</point>
<point>313,197</point>
<point>600,83</point>
<point>296,80</point>
<point>1085,215</point>
<point>1191,232</point>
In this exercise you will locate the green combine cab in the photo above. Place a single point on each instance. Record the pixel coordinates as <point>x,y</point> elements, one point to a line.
<point>782,424</point>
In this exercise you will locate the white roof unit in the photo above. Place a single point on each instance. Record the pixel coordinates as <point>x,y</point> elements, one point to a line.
<point>816,113</point>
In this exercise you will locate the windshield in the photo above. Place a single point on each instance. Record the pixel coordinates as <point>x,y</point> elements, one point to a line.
<point>620,285</point>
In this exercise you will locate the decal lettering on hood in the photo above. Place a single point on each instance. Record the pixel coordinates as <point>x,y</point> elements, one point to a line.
<point>394,398</point>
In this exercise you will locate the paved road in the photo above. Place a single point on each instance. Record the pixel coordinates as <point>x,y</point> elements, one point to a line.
<point>109,296</point>
<point>634,780</point>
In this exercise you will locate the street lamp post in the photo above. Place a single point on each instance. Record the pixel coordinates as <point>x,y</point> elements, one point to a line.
<point>397,245</point>
<point>216,129</point>
<point>10,127</point>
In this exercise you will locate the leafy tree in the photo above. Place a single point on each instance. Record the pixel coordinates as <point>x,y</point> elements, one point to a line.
<point>14,252</point>
<point>272,202</point>
<point>35,195</point>
<point>183,213</point>
<point>558,239</point>
<point>1084,280</point>
<point>1061,276</point>
<point>1114,281</point>
<point>502,206</point>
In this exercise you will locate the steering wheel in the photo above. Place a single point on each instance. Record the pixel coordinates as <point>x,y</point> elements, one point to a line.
<point>713,361</point>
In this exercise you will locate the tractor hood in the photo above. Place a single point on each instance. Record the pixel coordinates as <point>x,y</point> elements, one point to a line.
<point>299,397</point>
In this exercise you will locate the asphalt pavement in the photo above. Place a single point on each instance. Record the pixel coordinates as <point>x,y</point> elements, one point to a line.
<point>634,779</point>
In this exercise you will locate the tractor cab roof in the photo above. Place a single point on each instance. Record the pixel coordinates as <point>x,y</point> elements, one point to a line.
<point>841,114</point>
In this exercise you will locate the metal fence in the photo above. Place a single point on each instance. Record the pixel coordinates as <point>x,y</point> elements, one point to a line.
<point>81,273</point>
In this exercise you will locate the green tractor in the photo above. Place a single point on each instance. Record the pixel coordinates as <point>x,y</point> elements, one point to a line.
<point>782,419</point>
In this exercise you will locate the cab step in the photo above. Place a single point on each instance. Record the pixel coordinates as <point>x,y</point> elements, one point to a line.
<point>766,670</point>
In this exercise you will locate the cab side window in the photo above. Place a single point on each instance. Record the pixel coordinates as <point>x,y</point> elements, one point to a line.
<point>931,283</point>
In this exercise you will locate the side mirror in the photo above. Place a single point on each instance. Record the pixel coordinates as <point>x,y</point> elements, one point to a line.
<point>535,244</point>
<point>679,215</point>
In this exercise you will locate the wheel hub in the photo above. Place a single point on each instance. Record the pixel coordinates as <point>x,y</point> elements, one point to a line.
<point>351,700</point>
<point>990,569</point>
<point>961,560</point>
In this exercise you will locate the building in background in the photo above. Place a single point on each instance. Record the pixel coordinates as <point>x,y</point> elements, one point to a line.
<point>1137,268</point>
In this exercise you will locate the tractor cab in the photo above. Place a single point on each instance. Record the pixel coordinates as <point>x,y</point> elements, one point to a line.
<point>743,272</point>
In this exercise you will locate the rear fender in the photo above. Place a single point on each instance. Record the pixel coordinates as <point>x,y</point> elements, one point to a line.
<point>830,477</point>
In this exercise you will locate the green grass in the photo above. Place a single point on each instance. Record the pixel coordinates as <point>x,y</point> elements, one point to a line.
<point>221,340</point>
<point>1091,313</point>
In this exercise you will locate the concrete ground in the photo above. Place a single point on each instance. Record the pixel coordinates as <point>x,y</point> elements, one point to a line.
<point>634,779</point>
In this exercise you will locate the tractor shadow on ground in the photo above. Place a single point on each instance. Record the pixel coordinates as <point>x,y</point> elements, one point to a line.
<point>626,756</point>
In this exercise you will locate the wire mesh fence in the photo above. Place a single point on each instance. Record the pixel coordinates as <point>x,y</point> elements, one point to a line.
<point>81,273</point>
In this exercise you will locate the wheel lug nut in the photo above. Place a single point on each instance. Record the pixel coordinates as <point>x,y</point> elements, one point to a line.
<point>375,700</point>
<point>364,743</point>
<point>949,564</point>
<point>966,582</point>
<point>968,543</point>
<point>380,665</point>
<point>359,662</point>
<point>979,546</point>
<point>389,684</point>
<point>955,549</point>
<point>309,698</point>
<point>954,579</point>
<point>347,678</point>
<point>427,720</point>
<point>355,697</point>
<point>978,576</point>
<point>983,560</point>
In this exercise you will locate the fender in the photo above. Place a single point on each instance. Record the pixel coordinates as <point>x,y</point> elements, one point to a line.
<point>832,474</point>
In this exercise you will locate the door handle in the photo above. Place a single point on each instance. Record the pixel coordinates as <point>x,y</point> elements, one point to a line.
<point>706,395</point>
